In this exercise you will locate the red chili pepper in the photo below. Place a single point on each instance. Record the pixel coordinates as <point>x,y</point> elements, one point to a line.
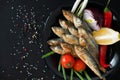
<point>103,48</point>
<point>103,51</point>
<point>107,18</point>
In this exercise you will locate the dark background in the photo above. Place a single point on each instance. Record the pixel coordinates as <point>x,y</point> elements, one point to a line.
<point>21,26</point>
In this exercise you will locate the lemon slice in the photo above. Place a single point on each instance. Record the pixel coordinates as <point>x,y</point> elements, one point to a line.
<point>106,36</point>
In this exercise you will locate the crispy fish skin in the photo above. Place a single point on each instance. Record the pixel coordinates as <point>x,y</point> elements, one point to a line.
<point>57,49</point>
<point>90,41</point>
<point>55,41</point>
<point>72,18</point>
<point>65,36</point>
<point>68,48</point>
<point>68,15</point>
<point>86,26</point>
<point>73,31</point>
<point>60,50</point>
<point>63,48</point>
<point>92,47</point>
<point>77,21</point>
<point>88,60</point>
<point>70,39</point>
<point>68,25</point>
<point>82,32</point>
<point>83,42</point>
<point>58,31</point>
<point>64,24</point>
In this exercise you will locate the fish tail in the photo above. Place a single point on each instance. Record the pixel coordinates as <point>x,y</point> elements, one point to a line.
<point>102,69</point>
<point>104,78</point>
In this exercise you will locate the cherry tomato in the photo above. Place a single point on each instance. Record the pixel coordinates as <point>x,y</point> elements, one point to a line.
<point>67,60</point>
<point>79,65</point>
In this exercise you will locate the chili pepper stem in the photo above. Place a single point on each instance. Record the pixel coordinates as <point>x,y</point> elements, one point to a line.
<point>108,2</point>
<point>106,7</point>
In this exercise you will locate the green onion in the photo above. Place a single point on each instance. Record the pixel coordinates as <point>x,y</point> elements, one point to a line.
<point>77,2</point>
<point>84,4</point>
<point>76,13</point>
<point>71,75</point>
<point>59,66</point>
<point>47,54</point>
<point>80,77</point>
<point>87,76</point>
<point>64,73</point>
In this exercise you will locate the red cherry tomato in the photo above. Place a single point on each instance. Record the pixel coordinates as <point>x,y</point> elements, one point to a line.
<point>79,65</point>
<point>67,61</point>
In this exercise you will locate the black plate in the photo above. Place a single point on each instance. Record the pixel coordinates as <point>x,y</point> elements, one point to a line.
<point>53,60</point>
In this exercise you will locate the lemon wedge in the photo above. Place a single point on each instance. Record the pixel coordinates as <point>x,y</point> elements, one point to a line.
<point>106,36</point>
